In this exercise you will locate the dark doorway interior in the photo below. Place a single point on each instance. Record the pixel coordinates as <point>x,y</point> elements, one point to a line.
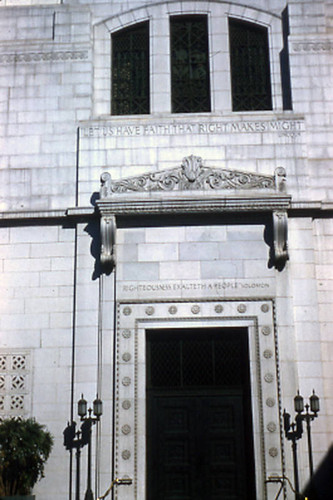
<point>199,422</point>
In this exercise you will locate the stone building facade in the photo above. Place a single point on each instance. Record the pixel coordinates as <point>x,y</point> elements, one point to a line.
<point>171,254</point>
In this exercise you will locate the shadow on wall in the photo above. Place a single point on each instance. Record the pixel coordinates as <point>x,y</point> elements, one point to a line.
<point>269,240</point>
<point>320,486</point>
<point>93,229</point>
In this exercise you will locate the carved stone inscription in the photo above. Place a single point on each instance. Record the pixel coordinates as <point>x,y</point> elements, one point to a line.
<point>186,128</point>
<point>312,46</point>
<point>197,288</point>
<point>33,57</point>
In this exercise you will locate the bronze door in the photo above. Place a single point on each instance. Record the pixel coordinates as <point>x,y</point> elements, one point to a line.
<point>199,436</point>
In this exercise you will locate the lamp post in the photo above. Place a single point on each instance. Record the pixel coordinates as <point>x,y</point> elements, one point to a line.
<point>72,440</point>
<point>308,417</point>
<point>293,435</point>
<point>294,430</point>
<point>78,439</point>
<point>87,422</point>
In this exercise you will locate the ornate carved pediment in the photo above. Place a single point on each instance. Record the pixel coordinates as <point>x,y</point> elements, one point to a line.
<point>243,191</point>
<point>193,175</point>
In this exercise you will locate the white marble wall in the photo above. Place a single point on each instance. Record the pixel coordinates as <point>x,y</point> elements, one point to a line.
<point>56,138</point>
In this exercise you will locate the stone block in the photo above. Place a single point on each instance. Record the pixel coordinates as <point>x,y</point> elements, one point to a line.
<point>324,271</point>
<point>307,330</point>
<point>30,279</point>
<point>18,339</point>
<point>20,265</point>
<point>165,234</point>
<point>36,291</point>
<point>198,251</point>
<point>309,351</point>
<point>305,271</point>
<point>306,313</point>
<point>304,292</point>
<point>15,251</point>
<point>157,252</point>
<point>257,268</point>
<point>33,234</point>
<point>13,145</point>
<point>4,236</point>
<point>309,369</point>
<point>131,236</point>
<point>60,320</point>
<point>203,233</point>
<point>245,233</point>
<point>244,250</point>
<point>127,253</point>
<point>179,270</point>
<point>62,264</point>
<point>47,304</point>
<point>140,271</point>
<point>55,278</point>
<point>21,321</point>
<point>221,269</point>
<point>61,249</point>
<point>87,318</point>
<point>9,305</point>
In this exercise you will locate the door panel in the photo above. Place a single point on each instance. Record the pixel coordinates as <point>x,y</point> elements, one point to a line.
<point>173,451</point>
<point>224,447</point>
<point>199,423</point>
<point>197,451</point>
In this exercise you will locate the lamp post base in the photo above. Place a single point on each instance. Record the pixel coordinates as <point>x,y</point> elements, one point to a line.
<point>89,495</point>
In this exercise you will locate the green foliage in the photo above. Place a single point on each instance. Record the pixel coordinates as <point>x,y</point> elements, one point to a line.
<point>25,446</point>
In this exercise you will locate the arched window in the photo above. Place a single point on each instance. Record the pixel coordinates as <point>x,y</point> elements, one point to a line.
<point>190,89</point>
<point>250,71</point>
<point>130,70</point>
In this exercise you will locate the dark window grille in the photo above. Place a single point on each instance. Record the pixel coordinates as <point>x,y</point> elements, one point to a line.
<point>250,71</point>
<point>190,87</point>
<point>130,70</point>
<point>184,360</point>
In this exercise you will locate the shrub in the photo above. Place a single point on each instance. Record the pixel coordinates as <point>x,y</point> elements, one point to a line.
<point>25,446</point>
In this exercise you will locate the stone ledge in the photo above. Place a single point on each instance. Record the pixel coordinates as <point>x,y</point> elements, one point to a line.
<point>217,204</point>
<point>193,205</point>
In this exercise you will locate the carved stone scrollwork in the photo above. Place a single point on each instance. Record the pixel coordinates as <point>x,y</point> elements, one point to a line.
<point>280,179</point>
<point>280,228</point>
<point>191,175</point>
<point>105,190</point>
<point>108,240</point>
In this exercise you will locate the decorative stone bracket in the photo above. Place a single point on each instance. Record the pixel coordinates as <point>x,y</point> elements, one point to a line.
<point>108,228</point>
<point>243,191</point>
<point>280,230</point>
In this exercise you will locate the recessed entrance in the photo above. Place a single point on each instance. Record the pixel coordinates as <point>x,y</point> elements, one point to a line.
<point>199,420</point>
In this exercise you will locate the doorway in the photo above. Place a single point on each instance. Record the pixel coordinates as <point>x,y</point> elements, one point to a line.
<point>199,419</point>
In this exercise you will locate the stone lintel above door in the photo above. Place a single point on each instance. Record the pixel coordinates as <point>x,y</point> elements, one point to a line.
<point>193,188</point>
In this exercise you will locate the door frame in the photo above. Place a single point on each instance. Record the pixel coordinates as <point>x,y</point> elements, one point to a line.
<point>133,319</point>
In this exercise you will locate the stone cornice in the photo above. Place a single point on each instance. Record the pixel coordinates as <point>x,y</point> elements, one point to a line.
<point>192,205</point>
<point>41,56</point>
<point>282,202</point>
